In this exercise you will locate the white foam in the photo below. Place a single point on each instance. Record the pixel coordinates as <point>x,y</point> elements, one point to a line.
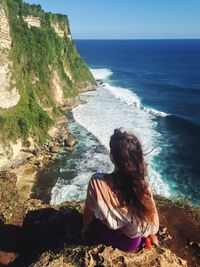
<point>155,112</point>
<point>125,95</point>
<point>89,157</point>
<point>108,108</point>
<point>101,74</point>
<point>103,113</point>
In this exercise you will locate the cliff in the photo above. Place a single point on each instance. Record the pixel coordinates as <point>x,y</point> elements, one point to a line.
<point>40,70</point>
<point>36,234</point>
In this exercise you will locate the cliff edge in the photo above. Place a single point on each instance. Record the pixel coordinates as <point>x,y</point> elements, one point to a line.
<point>41,72</point>
<point>35,234</point>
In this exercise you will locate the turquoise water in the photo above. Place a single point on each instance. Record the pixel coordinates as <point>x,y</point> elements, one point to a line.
<point>153,89</point>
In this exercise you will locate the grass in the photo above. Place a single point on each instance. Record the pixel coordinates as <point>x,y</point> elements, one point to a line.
<point>35,54</point>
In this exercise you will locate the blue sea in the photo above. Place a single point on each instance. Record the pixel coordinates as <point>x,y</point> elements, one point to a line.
<point>151,87</point>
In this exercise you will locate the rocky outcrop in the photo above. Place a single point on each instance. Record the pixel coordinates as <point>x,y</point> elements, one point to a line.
<point>58,94</point>
<point>9,96</point>
<point>33,87</point>
<point>4,30</point>
<point>33,21</point>
<point>68,73</point>
<point>57,89</point>
<point>102,256</point>
<point>9,152</point>
<point>28,162</point>
<point>61,31</point>
<point>50,235</point>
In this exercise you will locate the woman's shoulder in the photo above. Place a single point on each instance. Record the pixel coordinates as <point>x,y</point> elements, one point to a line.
<point>99,178</point>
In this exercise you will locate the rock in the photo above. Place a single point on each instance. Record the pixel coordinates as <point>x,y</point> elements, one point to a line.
<point>70,141</point>
<point>32,21</point>
<point>69,149</point>
<point>36,152</point>
<point>31,158</point>
<point>65,135</point>
<point>39,164</point>
<point>54,149</point>
<point>163,231</point>
<point>107,256</point>
<point>168,237</point>
<point>3,174</point>
<point>6,175</point>
<point>8,97</point>
<point>2,218</point>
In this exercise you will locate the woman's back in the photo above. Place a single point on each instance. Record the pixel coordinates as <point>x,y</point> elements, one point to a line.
<point>121,203</point>
<point>105,204</point>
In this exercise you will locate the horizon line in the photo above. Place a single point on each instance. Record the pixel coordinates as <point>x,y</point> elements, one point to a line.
<point>127,39</point>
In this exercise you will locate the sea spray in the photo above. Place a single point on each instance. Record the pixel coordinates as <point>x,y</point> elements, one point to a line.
<point>108,108</point>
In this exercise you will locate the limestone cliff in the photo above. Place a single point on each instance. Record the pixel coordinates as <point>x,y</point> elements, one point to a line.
<point>40,69</point>
<point>8,97</point>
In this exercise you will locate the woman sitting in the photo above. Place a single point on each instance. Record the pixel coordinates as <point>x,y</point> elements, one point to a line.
<point>119,207</point>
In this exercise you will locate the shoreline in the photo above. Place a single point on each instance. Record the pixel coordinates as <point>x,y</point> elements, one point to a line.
<point>30,163</point>
<point>40,218</point>
<point>29,172</point>
<point>47,176</point>
<point>37,162</point>
<point>43,171</point>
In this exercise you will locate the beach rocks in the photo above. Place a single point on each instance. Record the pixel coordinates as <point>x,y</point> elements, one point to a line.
<point>107,256</point>
<point>6,175</point>
<point>70,141</point>
<point>69,149</point>
<point>39,164</point>
<point>63,139</point>
<point>54,149</point>
<point>60,138</point>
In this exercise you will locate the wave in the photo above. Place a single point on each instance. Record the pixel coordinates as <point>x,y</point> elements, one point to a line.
<point>108,108</point>
<point>155,112</point>
<point>103,113</point>
<point>101,74</point>
<point>89,157</point>
<point>124,94</point>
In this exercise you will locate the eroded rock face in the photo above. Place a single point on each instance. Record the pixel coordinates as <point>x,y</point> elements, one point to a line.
<point>57,88</point>
<point>61,32</point>
<point>33,21</point>
<point>4,30</point>
<point>8,97</point>
<point>68,73</point>
<point>107,256</point>
<point>9,153</point>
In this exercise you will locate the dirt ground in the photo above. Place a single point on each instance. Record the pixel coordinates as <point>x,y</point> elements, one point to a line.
<point>35,234</point>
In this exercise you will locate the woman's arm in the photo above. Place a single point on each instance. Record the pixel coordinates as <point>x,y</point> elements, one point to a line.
<point>87,219</point>
<point>90,206</point>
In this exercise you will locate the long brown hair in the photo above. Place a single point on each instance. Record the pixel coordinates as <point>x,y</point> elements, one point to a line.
<point>130,182</point>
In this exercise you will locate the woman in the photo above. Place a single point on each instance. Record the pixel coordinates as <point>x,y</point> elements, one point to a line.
<point>120,208</point>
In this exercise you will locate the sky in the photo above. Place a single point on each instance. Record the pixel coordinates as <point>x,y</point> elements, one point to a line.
<point>128,19</point>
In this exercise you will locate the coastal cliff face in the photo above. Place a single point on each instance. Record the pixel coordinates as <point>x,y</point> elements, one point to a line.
<point>40,70</point>
<point>8,98</point>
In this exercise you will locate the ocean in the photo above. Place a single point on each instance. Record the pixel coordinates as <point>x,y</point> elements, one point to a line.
<point>152,88</point>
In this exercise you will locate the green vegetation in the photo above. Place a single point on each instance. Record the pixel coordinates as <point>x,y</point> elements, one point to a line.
<point>36,53</point>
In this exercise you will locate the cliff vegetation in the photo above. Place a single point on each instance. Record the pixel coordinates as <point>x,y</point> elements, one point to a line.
<point>44,68</point>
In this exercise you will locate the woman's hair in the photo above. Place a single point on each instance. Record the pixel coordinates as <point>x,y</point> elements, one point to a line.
<point>130,182</point>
